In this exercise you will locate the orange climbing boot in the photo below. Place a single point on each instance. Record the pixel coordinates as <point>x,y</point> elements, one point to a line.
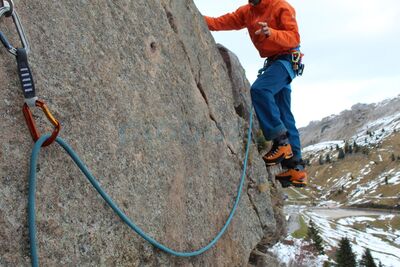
<point>277,154</point>
<point>295,174</point>
<point>295,177</point>
<point>281,150</point>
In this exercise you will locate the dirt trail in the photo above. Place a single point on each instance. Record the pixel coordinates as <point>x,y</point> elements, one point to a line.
<point>335,213</point>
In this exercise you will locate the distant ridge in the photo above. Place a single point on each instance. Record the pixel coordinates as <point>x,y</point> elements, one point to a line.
<point>348,122</point>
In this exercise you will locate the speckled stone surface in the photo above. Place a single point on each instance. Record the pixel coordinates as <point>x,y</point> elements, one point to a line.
<point>146,100</point>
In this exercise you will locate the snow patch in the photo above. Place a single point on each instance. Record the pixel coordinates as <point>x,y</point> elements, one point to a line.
<point>353,220</point>
<point>332,232</point>
<point>323,146</point>
<point>291,250</point>
<point>395,179</point>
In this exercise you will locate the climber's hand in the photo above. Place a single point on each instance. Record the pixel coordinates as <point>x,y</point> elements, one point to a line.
<point>264,29</point>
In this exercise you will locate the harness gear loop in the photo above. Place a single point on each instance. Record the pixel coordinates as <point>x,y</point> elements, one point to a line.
<point>32,125</point>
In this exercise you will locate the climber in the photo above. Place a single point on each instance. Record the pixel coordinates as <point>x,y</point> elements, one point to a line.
<point>274,32</point>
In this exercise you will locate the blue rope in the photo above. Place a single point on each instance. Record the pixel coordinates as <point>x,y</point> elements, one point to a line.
<point>110,202</point>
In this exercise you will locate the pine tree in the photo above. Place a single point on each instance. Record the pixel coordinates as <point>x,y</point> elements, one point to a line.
<point>328,158</point>
<point>367,260</point>
<point>315,237</point>
<point>341,154</point>
<point>350,149</point>
<point>393,157</point>
<point>346,147</point>
<point>356,147</point>
<point>321,160</point>
<point>344,255</point>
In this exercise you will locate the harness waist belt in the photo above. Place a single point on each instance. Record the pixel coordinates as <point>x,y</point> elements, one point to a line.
<point>287,57</point>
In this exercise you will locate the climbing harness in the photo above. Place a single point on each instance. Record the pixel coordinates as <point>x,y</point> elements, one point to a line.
<point>7,9</point>
<point>294,56</point>
<point>25,75</point>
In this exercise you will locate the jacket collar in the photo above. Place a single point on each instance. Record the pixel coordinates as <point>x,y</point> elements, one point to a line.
<point>263,5</point>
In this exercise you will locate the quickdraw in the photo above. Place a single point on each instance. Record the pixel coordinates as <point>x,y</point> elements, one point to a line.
<point>25,74</point>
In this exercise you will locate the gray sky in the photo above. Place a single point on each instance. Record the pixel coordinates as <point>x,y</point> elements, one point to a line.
<point>351,47</point>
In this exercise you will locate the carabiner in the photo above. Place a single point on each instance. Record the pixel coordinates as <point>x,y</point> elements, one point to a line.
<point>6,8</point>
<point>32,126</point>
<point>296,56</point>
<point>20,30</point>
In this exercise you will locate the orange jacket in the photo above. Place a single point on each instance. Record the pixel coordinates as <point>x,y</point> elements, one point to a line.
<point>281,19</point>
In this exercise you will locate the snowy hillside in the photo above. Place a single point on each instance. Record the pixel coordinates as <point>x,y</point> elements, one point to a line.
<point>361,172</point>
<point>356,121</point>
<point>369,171</point>
<point>363,229</point>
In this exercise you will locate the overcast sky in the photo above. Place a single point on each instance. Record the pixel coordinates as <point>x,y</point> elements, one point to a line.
<point>351,47</point>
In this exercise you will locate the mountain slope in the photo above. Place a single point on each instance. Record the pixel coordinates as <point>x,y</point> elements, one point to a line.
<point>349,122</point>
<point>372,179</point>
<point>353,191</point>
<point>369,173</point>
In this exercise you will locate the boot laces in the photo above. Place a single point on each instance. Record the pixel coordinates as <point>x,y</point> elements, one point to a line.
<point>274,150</point>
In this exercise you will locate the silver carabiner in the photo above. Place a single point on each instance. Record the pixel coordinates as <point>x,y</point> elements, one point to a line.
<point>8,10</point>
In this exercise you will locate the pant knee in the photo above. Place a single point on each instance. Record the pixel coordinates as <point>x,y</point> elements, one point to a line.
<point>257,91</point>
<point>254,90</point>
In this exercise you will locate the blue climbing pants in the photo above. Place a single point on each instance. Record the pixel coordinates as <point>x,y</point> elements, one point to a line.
<point>271,99</point>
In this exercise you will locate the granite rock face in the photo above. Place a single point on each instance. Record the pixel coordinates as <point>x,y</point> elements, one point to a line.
<point>147,101</point>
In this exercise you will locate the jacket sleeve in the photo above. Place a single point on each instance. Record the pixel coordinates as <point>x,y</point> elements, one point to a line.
<point>288,35</point>
<point>230,21</point>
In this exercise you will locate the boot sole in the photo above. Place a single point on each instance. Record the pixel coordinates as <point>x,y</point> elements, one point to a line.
<point>286,184</point>
<point>299,185</point>
<point>278,160</point>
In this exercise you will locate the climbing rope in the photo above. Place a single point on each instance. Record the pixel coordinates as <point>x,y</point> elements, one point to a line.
<point>111,203</point>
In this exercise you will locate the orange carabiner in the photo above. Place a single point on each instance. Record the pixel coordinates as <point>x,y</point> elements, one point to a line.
<point>32,126</point>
